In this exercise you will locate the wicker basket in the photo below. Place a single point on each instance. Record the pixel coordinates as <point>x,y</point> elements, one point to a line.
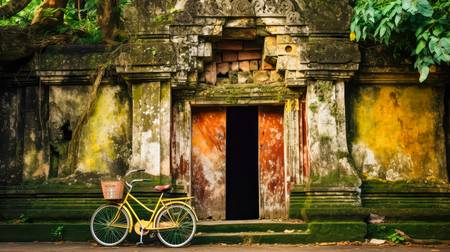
<point>112,190</point>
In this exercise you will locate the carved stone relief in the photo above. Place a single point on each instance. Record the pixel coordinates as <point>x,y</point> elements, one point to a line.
<point>260,8</point>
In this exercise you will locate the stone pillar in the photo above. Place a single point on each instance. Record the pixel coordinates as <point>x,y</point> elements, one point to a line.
<point>165,122</point>
<point>329,155</point>
<point>146,128</point>
<point>151,129</point>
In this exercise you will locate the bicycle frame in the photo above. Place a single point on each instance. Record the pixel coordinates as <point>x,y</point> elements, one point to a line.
<point>161,204</point>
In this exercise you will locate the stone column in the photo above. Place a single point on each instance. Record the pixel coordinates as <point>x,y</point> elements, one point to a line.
<point>151,129</point>
<point>165,122</point>
<point>329,155</point>
<point>146,127</point>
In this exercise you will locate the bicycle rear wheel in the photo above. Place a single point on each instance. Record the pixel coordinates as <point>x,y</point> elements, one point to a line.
<point>109,225</point>
<point>180,223</point>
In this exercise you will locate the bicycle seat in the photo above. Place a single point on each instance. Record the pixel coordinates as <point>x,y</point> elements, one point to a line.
<point>162,188</point>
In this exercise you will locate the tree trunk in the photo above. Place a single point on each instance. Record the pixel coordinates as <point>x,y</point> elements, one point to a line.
<point>12,7</point>
<point>108,18</point>
<point>49,13</point>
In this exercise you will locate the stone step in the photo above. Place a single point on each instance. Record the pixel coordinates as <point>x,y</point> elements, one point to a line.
<point>209,232</point>
<point>254,237</point>
<point>250,226</point>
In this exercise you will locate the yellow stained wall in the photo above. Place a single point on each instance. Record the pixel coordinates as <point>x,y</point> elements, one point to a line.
<point>399,133</point>
<point>104,145</point>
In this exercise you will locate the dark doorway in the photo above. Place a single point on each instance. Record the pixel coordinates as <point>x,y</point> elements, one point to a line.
<point>242,194</point>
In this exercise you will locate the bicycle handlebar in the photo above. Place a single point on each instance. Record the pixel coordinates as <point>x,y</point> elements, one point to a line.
<point>133,171</point>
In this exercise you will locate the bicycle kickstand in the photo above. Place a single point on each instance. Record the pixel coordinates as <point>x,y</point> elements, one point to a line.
<point>140,242</point>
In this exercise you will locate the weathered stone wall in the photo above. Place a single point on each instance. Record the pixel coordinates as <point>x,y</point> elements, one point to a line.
<point>11,147</point>
<point>35,157</point>
<point>399,133</point>
<point>151,129</point>
<point>330,164</point>
<point>105,145</point>
<point>66,104</point>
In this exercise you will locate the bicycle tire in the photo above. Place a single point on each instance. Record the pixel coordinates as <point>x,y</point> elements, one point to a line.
<point>101,230</point>
<point>185,231</point>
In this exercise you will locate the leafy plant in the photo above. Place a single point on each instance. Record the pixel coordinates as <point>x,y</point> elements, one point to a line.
<point>57,234</point>
<point>24,17</point>
<point>84,27</point>
<point>396,238</point>
<point>418,26</point>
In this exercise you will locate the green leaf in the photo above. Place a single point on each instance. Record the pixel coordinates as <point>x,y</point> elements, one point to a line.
<point>382,31</point>
<point>433,43</point>
<point>424,71</point>
<point>420,46</point>
<point>424,8</point>
<point>445,44</point>
<point>438,29</point>
<point>397,19</point>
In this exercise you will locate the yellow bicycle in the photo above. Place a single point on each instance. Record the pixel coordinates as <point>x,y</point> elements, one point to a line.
<point>172,219</point>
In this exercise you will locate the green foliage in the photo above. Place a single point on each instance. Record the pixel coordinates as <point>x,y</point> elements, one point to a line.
<point>23,218</point>
<point>57,234</point>
<point>81,22</point>
<point>24,17</point>
<point>418,26</point>
<point>396,238</point>
<point>84,22</point>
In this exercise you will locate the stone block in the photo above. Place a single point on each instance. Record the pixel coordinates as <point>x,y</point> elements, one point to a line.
<point>285,39</point>
<point>223,81</point>
<point>211,73</point>
<point>270,46</point>
<point>263,21</point>
<point>230,45</point>
<point>229,56</point>
<point>287,49</point>
<point>204,49</point>
<point>261,76</point>
<point>223,68</point>
<point>253,65</point>
<point>276,29</point>
<point>249,55</point>
<point>234,66</point>
<point>233,33</point>
<point>288,62</point>
<point>275,76</point>
<point>244,66</point>
<point>245,77</point>
<point>240,23</point>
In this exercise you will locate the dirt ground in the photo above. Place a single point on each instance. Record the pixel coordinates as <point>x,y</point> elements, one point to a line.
<point>85,246</point>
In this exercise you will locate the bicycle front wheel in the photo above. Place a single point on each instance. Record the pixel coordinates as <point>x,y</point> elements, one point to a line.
<point>176,225</point>
<point>109,225</point>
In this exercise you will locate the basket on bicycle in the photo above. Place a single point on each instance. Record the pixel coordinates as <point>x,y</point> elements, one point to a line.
<point>112,189</point>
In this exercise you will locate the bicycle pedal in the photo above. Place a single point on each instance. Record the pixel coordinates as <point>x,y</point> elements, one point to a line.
<point>152,235</point>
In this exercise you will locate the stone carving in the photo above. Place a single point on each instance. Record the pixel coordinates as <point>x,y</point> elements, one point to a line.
<point>263,8</point>
<point>242,8</point>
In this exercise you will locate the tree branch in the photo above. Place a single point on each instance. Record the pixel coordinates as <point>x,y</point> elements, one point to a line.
<point>12,7</point>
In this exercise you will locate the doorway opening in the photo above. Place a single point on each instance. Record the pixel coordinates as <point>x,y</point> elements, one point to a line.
<point>242,190</point>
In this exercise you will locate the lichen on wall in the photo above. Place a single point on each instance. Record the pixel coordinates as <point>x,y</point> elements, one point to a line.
<point>35,156</point>
<point>104,146</point>
<point>66,104</point>
<point>146,127</point>
<point>398,133</point>
<point>329,155</point>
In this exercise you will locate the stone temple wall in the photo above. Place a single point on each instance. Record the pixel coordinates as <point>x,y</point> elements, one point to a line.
<point>358,130</point>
